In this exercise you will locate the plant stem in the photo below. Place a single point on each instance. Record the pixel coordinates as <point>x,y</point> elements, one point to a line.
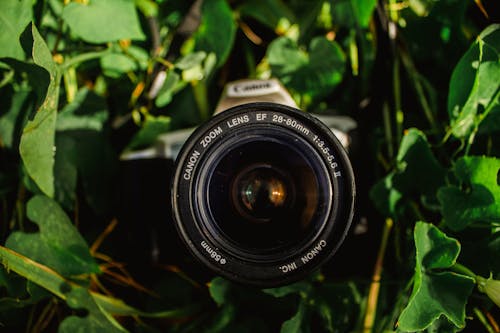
<point>388,131</point>
<point>78,59</point>
<point>470,141</point>
<point>18,213</point>
<point>371,308</point>
<point>414,76</point>
<point>70,83</point>
<point>45,317</point>
<point>164,62</point>
<point>461,269</point>
<point>201,98</point>
<point>484,321</point>
<point>8,77</point>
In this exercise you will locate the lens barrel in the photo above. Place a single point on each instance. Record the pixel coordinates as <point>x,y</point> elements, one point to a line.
<point>263,194</point>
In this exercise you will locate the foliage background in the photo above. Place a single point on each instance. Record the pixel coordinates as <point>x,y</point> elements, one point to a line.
<point>84,81</point>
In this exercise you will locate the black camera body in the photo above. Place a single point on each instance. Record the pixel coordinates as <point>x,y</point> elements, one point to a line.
<point>262,194</point>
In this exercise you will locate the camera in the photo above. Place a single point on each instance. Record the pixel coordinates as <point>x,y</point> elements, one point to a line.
<point>261,194</point>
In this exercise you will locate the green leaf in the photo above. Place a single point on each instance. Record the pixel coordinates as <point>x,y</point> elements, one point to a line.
<point>14,17</point>
<point>222,320</point>
<point>87,111</point>
<point>38,138</point>
<point>268,12</point>
<point>476,198</point>
<point>475,85</point>
<point>219,290</point>
<point>58,244</point>
<point>95,321</point>
<point>217,30</point>
<point>417,173</point>
<point>148,7</point>
<point>115,65</point>
<point>14,291</point>
<point>316,72</point>
<point>332,297</point>
<point>168,89</point>
<point>442,325</point>
<point>38,78</point>
<point>436,292</point>
<point>302,288</point>
<point>299,323</point>
<point>191,60</point>
<point>363,9</point>
<point>101,21</point>
<point>53,282</point>
<point>352,13</point>
<point>421,7</point>
<point>33,271</point>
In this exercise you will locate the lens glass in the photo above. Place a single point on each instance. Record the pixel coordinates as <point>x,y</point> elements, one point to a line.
<point>266,193</point>
<point>261,193</point>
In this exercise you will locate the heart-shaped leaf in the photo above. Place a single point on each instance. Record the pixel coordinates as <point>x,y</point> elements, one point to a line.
<point>436,292</point>
<point>477,195</point>
<point>417,173</point>
<point>95,321</point>
<point>58,244</point>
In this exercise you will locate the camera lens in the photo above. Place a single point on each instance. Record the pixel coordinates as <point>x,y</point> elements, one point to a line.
<point>263,194</point>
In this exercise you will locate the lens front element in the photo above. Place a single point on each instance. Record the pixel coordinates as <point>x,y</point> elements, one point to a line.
<point>261,193</point>
<point>266,193</point>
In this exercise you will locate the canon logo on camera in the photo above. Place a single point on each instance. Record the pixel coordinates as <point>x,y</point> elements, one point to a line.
<point>250,88</point>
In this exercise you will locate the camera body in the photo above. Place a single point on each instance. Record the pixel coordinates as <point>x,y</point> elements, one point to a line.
<point>262,193</point>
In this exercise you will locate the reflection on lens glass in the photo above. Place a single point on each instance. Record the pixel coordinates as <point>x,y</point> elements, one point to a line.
<point>261,193</point>
<point>266,194</point>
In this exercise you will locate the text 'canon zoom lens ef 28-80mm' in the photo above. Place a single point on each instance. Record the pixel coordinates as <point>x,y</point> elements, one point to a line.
<point>263,194</point>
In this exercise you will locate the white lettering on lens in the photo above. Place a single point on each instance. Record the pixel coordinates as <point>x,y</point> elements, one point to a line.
<point>288,267</point>
<point>210,136</point>
<point>314,251</point>
<point>291,123</point>
<point>260,116</point>
<point>329,156</point>
<point>238,121</point>
<point>190,165</point>
<point>213,253</point>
